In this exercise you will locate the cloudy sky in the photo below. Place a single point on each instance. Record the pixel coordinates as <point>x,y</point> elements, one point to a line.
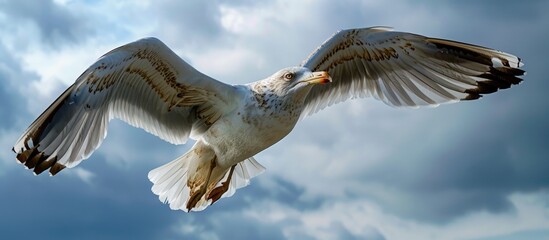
<point>359,170</point>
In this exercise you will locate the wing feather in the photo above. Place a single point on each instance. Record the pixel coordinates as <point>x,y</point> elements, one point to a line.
<point>142,83</point>
<point>405,69</point>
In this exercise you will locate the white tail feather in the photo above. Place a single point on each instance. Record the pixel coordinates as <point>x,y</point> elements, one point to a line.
<point>170,181</point>
<point>243,172</point>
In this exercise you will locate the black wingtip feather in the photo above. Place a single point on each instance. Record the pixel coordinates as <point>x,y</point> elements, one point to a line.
<point>34,159</point>
<point>57,167</point>
<point>44,165</point>
<point>495,79</point>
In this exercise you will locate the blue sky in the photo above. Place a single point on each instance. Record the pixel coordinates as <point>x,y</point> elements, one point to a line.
<point>358,170</point>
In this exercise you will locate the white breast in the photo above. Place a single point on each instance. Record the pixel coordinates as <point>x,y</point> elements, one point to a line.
<point>254,126</point>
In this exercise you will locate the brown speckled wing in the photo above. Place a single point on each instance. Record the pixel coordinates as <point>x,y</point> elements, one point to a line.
<point>142,83</point>
<point>405,69</point>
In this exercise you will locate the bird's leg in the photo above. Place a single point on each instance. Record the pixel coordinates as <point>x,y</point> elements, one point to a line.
<point>217,192</point>
<point>196,195</point>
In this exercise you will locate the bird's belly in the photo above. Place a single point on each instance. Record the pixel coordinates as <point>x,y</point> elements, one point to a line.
<point>234,140</point>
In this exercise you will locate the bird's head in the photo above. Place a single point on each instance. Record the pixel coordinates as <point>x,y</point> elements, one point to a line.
<point>295,80</point>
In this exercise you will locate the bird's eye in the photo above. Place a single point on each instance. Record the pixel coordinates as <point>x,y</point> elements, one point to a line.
<point>288,76</point>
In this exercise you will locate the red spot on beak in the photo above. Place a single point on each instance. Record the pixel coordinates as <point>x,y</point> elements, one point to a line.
<point>320,78</point>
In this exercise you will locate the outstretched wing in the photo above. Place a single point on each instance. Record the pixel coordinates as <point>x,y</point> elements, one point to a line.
<point>405,69</point>
<point>142,83</point>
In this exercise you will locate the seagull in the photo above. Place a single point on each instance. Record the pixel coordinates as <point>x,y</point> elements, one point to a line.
<point>147,85</point>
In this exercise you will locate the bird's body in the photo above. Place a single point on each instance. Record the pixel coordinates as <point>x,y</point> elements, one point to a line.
<point>259,118</point>
<point>148,86</point>
<point>245,131</point>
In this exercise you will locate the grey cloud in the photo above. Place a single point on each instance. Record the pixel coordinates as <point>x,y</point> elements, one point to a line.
<point>117,205</point>
<point>336,230</point>
<point>8,101</point>
<point>499,11</point>
<point>473,171</point>
<point>478,173</point>
<point>56,24</point>
<point>288,193</point>
<point>342,232</point>
<point>8,97</point>
<point>12,78</point>
<point>232,225</point>
<point>195,23</point>
<point>523,235</point>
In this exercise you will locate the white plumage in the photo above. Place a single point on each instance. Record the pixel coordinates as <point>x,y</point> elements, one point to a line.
<point>148,86</point>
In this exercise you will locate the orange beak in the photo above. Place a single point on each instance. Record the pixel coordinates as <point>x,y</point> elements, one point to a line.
<point>319,78</point>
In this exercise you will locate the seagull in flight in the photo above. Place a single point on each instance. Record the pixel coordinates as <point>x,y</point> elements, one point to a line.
<point>147,85</point>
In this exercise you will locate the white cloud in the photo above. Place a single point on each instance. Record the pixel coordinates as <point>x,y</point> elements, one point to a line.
<point>223,62</point>
<point>83,174</point>
<point>365,219</point>
<point>189,226</point>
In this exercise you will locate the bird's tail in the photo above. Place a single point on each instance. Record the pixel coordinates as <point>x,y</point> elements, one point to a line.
<point>171,181</point>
